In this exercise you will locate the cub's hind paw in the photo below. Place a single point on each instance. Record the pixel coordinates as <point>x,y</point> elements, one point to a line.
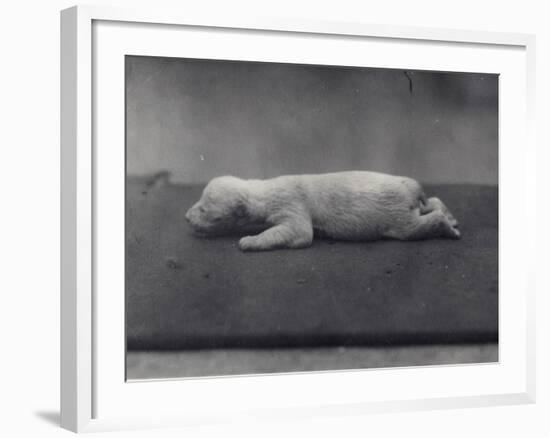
<point>453,232</point>
<point>456,233</point>
<point>449,230</point>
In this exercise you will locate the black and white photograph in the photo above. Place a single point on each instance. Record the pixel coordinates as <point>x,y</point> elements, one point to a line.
<point>285,218</point>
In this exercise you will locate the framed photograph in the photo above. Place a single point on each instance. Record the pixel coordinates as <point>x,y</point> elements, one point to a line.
<point>258,208</point>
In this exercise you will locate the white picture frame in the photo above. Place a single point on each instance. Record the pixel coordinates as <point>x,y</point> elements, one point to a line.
<point>86,376</point>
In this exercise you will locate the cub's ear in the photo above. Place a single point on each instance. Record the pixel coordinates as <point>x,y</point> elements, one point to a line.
<point>240,210</point>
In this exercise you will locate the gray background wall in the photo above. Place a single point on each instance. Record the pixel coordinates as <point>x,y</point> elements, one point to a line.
<point>199,119</point>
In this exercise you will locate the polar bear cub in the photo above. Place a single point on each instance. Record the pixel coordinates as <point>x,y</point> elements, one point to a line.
<point>290,209</point>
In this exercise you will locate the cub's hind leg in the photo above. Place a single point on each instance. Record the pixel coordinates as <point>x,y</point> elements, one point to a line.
<point>427,205</point>
<point>426,226</point>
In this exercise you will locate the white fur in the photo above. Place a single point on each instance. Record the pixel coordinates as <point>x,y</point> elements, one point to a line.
<point>354,205</point>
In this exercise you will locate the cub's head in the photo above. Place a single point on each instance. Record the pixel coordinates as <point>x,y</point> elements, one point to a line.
<point>222,207</point>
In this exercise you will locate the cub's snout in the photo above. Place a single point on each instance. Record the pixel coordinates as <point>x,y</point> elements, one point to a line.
<point>198,218</point>
<point>221,208</point>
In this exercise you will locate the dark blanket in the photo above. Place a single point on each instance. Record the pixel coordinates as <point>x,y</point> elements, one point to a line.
<point>186,292</point>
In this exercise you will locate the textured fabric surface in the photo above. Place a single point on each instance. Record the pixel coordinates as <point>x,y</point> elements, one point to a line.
<point>185,292</point>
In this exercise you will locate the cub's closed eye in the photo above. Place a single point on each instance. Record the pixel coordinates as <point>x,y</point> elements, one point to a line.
<point>201,209</point>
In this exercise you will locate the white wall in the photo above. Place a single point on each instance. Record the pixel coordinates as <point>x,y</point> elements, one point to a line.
<point>29,321</point>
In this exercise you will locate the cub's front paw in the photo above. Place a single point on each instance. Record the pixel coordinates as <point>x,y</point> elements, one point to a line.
<point>248,243</point>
